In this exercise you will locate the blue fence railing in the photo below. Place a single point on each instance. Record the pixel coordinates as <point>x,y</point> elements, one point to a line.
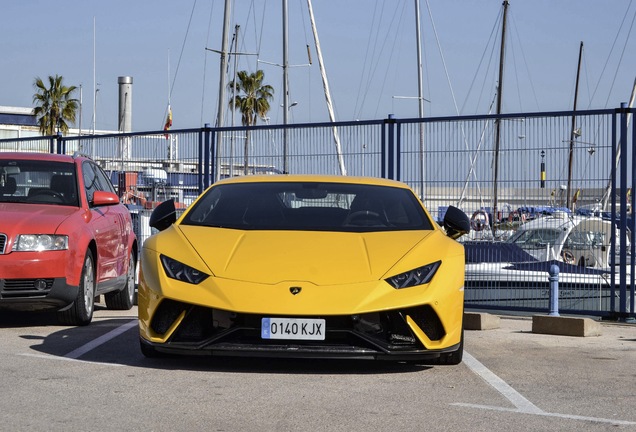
<point>543,167</point>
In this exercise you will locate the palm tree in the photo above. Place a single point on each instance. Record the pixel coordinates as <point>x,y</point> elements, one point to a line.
<point>252,99</point>
<point>55,106</point>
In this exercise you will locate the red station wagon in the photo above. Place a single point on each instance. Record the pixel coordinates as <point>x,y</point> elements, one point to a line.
<point>65,238</point>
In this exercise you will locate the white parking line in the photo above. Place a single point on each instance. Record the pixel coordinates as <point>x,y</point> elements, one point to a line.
<point>77,353</point>
<point>53,357</point>
<point>522,405</point>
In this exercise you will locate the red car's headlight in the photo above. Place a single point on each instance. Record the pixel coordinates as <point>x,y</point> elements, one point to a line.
<point>40,242</point>
<point>418,276</point>
<point>181,272</point>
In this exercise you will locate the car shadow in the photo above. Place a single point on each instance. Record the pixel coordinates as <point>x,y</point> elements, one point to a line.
<point>123,349</point>
<point>17,319</point>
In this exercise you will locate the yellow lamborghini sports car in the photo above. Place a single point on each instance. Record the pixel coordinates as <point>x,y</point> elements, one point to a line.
<point>304,266</point>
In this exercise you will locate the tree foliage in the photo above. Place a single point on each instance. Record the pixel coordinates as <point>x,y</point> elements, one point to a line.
<point>251,98</point>
<point>55,107</point>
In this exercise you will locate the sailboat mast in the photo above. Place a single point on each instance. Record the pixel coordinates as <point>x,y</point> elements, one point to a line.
<point>573,133</point>
<point>420,93</point>
<point>223,69</point>
<point>285,86</point>
<point>498,123</point>
<point>325,84</point>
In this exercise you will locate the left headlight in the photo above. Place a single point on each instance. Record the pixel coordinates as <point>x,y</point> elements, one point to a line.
<point>418,276</point>
<point>40,242</point>
<point>181,272</point>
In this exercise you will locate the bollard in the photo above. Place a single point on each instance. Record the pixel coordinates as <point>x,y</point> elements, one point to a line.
<point>553,278</point>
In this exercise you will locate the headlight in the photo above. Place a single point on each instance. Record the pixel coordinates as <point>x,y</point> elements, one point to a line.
<point>418,276</point>
<point>40,242</point>
<point>181,272</point>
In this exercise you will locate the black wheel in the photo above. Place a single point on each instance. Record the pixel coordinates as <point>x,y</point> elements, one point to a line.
<point>81,311</point>
<point>124,299</point>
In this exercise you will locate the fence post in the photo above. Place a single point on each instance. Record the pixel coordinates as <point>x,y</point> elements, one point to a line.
<point>60,143</point>
<point>398,152</point>
<point>553,278</point>
<point>208,156</point>
<point>623,212</point>
<point>390,149</point>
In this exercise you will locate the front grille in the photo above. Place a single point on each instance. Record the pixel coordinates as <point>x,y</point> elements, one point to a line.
<point>377,331</point>
<point>25,288</point>
<point>3,242</point>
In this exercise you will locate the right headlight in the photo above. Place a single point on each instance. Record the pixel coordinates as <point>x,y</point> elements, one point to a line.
<point>182,272</point>
<point>418,276</point>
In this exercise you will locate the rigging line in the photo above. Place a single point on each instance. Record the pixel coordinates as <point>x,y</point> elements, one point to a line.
<point>205,62</point>
<point>491,61</point>
<point>524,58</point>
<point>259,39</point>
<point>441,53</point>
<point>607,62</point>
<point>516,74</point>
<point>251,16</point>
<point>586,77</point>
<point>631,27</point>
<point>392,51</point>
<point>378,58</point>
<point>610,53</point>
<point>374,65</point>
<point>176,72</point>
<point>450,85</point>
<point>491,38</point>
<point>305,31</point>
<point>366,60</point>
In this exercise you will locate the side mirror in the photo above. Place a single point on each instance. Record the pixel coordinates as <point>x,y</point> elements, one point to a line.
<point>101,198</point>
<point>164,215</point>
<point>456,222</point>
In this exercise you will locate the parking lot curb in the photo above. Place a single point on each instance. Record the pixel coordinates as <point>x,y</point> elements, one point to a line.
<point>481,321</point>
<point>565,326</point>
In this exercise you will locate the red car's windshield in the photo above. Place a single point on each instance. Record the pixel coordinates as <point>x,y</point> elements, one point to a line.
<point>41,182</point>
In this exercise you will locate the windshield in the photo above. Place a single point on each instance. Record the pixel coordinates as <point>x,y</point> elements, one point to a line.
<point>41,182</point>
<point>309,206</point>
<point>536,238</point>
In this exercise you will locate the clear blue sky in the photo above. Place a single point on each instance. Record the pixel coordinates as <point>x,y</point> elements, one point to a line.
<point>368,48</point>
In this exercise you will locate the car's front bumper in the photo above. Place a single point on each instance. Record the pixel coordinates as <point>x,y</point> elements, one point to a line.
<point>36,294</point>
<point>38,280</point>
<point>180,328</point>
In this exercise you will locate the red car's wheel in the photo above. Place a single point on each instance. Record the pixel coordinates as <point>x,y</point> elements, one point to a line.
<point>81,311</point>
<point>124,299</point>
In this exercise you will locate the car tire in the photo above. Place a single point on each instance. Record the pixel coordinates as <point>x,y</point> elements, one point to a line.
<point>80,313</point>
<point>124,299</point>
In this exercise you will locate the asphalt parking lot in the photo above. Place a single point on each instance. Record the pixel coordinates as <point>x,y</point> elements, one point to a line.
<point>95,378</point>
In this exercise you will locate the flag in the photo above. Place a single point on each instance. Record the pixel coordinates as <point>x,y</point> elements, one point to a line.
<point>168,124</point>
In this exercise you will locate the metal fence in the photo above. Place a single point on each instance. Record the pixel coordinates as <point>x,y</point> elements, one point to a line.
<point>502,170</point>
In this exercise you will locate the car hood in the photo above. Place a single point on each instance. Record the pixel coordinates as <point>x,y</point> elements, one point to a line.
<point>32,218</point>
<point>322,258</point>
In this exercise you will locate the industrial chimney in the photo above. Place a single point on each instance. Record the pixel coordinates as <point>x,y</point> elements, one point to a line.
<point>125,104</point>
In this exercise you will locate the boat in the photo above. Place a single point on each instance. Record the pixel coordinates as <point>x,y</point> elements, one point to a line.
<point>516,272</point>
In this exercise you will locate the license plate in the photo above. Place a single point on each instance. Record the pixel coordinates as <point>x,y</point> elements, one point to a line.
<point>293,328</point>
